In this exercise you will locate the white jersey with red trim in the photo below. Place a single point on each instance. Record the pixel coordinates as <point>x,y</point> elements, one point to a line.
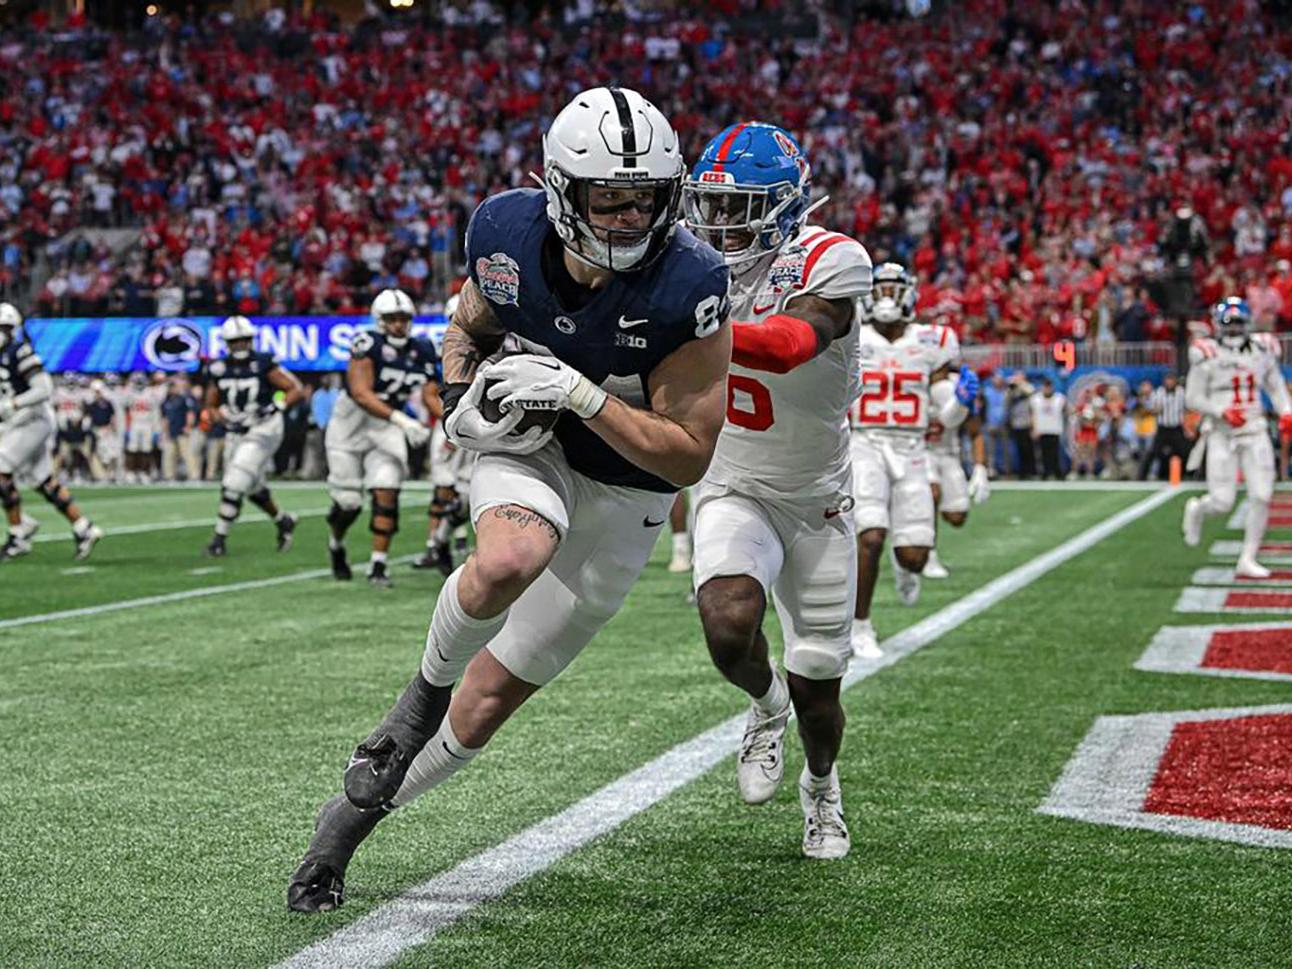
<point>143,409</point>
<point>787,434</point>
<point>894,380</point>
<point>1222,377</point>
<point>69,406</point>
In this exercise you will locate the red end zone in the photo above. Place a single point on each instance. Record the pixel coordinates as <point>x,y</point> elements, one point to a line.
<point>1265,650</point>
<point>1238,771</point>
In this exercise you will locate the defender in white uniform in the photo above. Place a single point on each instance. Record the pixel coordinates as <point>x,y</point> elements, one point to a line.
<point>241,387</point>
<point>953,492</point>
<point>1226,377</point>
<point>772,515</point>
<point>904,366</point>
<point>27,433</point>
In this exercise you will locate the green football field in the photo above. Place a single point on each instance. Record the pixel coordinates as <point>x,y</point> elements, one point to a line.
<point>162,761</point>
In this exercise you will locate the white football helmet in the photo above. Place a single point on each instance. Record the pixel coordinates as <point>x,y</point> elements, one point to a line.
<point>612,138</point>
<point>892,296</point>
<point>238,328</point>
<point>10,321</point>
<point>393,303</point>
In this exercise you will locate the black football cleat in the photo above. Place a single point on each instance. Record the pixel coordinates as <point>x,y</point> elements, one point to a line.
<point>436,557</point>
<point>378,575</point>
<point>216,549</point>
<point>378,765</point>
<point>318,884</point>
<point>340,565</point>
<point>286,531</point>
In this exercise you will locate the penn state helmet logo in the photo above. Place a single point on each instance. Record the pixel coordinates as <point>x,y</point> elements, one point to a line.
<point>172,344</point>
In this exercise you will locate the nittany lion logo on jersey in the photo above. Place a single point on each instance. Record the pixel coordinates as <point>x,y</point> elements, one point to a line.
<point>499,278</point>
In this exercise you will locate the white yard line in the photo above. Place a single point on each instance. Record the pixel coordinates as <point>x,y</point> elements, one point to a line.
<point>380,937</point>
<point>168,597</point>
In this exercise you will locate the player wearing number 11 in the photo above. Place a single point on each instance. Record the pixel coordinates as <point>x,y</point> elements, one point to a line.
<point>1226,376</point>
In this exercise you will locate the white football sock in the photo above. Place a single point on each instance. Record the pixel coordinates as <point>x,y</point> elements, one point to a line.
<point>682,544</point>
<point>441,758</point>
<point>378,557</point>
<point>777,695</point>
<point>1258,515</point>
<point>454,637</point>
<point>80,527</point>
<point>816,784</point>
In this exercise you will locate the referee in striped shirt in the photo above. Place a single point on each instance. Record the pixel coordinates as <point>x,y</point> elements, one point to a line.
<point>1167,405</point>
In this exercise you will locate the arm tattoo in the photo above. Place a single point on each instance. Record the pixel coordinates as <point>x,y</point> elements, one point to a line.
<point>522,518</point>
<point>471,337</point>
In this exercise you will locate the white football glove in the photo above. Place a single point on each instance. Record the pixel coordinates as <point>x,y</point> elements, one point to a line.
<point>979,485</point>
<point>527,380</point>
<point>415,432</point>
<point>468,428</point>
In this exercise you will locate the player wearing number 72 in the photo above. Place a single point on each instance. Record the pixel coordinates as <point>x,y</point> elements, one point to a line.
<point>1226,376</point>
<point>904,370</point>
<point>240,387</point>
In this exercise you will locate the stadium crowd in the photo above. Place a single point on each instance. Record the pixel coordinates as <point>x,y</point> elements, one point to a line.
<point>1031,162</point>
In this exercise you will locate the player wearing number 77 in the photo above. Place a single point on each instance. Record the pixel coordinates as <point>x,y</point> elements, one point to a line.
<point>772,516</point>
<point>904,370</point>
<point>241,387</point>
<point>1226,376</point>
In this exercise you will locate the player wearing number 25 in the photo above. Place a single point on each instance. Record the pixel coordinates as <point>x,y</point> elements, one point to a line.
<point>585,300</point>
<point>772,516</point>
<point>1226,376</point>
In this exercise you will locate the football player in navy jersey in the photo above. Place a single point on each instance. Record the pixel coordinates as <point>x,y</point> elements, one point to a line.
<point>586,299</point>
<point>240,388</point>
<point>27,432</point>
<point>369,434</point>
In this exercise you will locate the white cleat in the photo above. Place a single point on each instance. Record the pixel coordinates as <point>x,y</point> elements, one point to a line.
<point>934,569</point>
<point>85,543</point>
<point>27,527</point>
<point>760,768</point>
<point>825,836</point>
<point>680,562</point>
<point>1249,568</point>
<point>1192,523</point>
<point>865,644</point>
<point>908,584</point>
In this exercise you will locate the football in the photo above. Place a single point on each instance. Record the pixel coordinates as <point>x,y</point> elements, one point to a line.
<point>546,419</point>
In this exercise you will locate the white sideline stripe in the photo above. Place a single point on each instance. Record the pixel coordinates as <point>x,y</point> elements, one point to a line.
<point>276,485</point>
<point>1228,577</point>
<point>1090,485</point>
<point>381,936</point>
<point>1232,548</point>
<point>182,523</point>
<point>158,600</point>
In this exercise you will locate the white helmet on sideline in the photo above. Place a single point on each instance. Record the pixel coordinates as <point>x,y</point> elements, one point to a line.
<point>237,328</point>
<point>396,303</point>
<point>612,138</point>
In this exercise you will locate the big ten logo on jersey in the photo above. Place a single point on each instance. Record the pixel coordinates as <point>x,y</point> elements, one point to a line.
<point>630,340</point>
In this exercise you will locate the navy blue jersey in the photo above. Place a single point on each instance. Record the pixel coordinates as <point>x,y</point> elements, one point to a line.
<point>616,338</point>
<point>396,371</point>
<point>245,390</point>
<point>19,362</point>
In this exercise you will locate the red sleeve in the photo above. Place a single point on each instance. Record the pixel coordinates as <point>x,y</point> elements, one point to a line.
<point>778,344</point>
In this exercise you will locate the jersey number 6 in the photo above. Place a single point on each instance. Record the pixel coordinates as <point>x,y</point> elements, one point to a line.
<point>755,403</point>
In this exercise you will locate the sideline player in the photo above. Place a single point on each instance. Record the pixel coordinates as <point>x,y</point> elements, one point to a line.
<point>27,432</point>
<point>773,513</point>
<point>1226,376</point>
<point>953,493</point>
<point>904,370</point>
<point>450,485</point>
<point>369,434</point>
<point>240,388</point>
<point>620,316</point>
